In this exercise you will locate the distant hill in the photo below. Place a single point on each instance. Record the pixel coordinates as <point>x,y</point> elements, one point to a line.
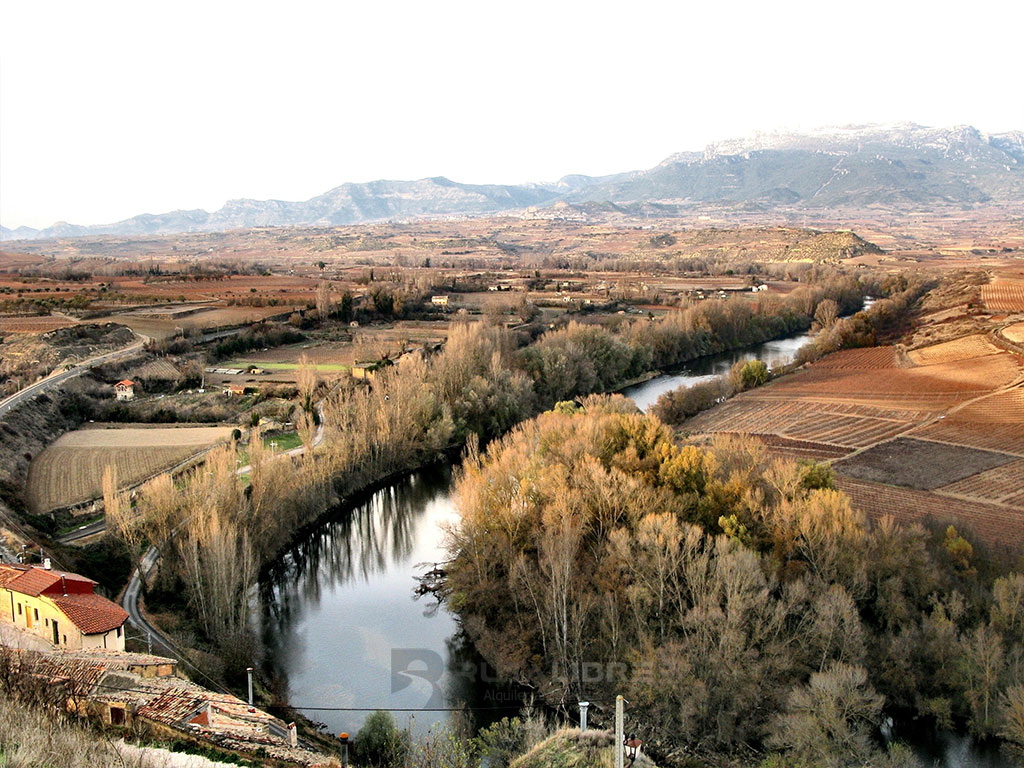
<point>899,167</point>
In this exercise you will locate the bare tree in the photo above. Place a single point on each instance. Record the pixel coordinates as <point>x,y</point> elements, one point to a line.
<point>121,521</point>
<point>827,313</point>
<point>307,381</point>
<point>323,300</point>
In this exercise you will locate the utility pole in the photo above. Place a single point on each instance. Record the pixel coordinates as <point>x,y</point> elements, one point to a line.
<point>619,732</point>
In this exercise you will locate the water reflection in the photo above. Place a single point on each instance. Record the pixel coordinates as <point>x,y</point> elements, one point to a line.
<point>945,749</point>
<point>774,353</point>
<point>340,623</point>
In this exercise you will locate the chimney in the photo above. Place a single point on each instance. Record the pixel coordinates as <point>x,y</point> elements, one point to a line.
<point>64,587</point>
<point>46,564</point>
<point>293,735</point>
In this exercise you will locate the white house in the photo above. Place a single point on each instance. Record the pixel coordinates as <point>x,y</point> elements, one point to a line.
<point>124,390</point>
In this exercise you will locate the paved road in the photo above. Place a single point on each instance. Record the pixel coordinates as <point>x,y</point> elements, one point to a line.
<point>59,377</point>
<point>83,532</point>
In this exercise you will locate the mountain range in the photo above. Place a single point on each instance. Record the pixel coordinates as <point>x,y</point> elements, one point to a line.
<point>901,167</point>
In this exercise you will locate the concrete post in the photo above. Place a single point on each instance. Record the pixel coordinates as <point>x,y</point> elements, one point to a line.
<point>583,715</point>
<point>619,732</point>
<point>344,750</point>
<point>293,735</point>
<point>248,671</point>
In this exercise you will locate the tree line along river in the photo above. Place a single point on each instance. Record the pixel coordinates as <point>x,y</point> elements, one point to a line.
<point>345,633</point>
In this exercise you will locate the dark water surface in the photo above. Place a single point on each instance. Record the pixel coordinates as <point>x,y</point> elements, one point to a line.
<point>339,612</point>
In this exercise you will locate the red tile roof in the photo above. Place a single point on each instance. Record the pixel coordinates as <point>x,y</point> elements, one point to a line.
<point>93,614</point>
<point>9,573</point>
<point>125,383</point>
<point>36,580</point>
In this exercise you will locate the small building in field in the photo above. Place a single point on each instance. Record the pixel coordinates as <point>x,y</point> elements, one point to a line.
<point>234,390</point>
<point>60,607</point>
<point>440,301</point>
<point>124,390</point>
<point>365,370</point>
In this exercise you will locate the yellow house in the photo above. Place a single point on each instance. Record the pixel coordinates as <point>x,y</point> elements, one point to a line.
<point>60,607</point>
<point>365,370</point>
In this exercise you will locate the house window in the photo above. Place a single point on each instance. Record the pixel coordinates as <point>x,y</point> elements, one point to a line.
<point>36,612</point>
<point>19,609</point>
<point>118,631</point>
<point>65,639</point>
<point>47,622</point>
<point>116,716</point>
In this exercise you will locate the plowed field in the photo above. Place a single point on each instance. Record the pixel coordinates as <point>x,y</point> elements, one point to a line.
<point>39,324</point>
<point>1004,295</point>
<point>997,525</point>
<point>71,469</point>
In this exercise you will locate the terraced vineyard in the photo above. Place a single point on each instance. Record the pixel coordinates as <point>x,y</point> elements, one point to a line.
<point>1004,294</point>
<point>70,471</point>
<point>995,423</point>
<point>992,523</point>
<point>961,401</point>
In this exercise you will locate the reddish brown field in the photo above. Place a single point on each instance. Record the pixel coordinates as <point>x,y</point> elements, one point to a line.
<point>995,423</point>
<point>40,324</point>
<point>1001,485</point>
<point>867,358</point>
<point>999,525</point>
<point>1004,295</point>
<point>964,393</point>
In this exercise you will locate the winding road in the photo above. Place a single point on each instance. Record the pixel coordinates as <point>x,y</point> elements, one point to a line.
<point>59,377</point>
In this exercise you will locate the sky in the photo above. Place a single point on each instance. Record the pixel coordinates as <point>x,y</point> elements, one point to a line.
<point>109,109</point>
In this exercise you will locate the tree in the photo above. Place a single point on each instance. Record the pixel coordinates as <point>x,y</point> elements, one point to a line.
<point>120,519</point>
<point>826,313</point>
<point>323,300</point>
<point>307,382</point>
<point>380,743</point>
<point>748,374</point>
<point>829,721</point>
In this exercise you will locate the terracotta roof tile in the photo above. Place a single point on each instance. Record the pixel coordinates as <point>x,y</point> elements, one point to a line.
<point>92,614</point>
<point>10,572</point>
<point>36,580</point>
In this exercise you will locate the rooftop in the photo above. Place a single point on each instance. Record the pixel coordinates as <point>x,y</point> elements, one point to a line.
<point>93,614</point>
<point>33,580</point>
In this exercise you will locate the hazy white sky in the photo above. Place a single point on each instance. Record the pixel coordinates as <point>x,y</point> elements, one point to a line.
<point>112,109</point>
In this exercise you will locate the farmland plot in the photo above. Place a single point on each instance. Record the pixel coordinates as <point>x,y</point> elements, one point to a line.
<point>995,524</point>
<point>1004,295</point>
<point>71,470</point>
<point>954,351</point>
<point>1002,484</point>
<point>1014,333</point>
<point>35,324</point>
<point>920,463</point>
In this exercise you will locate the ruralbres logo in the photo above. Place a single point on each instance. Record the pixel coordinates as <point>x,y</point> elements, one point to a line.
<point>409,665</point>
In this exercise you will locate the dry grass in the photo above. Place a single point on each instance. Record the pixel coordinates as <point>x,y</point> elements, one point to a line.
<point>70,471</point>
<point>33,738</point>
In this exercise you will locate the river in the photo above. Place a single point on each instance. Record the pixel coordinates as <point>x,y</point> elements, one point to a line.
<point>345,634</point>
